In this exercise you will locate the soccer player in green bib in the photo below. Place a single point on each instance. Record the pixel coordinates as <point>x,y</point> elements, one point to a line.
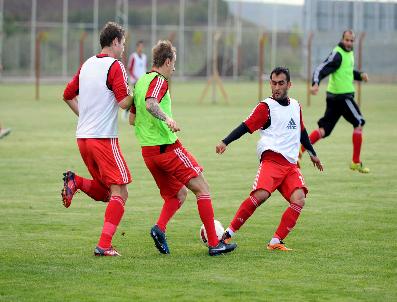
<point>340,96</point>
<point>173,168</point>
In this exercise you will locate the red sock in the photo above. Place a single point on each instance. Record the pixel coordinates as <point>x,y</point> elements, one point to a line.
<point>92,188</point>
<point>288,221</point>
<point>170,207</point>
<point>206,213</point>
<point>314,137</point>
<point>113,214</point>
<point>246,209</point>
<point>357,141</point>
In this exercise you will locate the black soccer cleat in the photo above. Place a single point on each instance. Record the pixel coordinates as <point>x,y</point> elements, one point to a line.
<point>160,241</point>
<point>221,248</point>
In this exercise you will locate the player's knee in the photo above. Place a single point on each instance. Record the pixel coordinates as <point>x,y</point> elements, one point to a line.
<point>298,197</point>
<point>362,122</point>
<point>199,186</point>
<point>124,195</point>
<point>261,195</point>
<point>325,132</point>
<point>181,196</point>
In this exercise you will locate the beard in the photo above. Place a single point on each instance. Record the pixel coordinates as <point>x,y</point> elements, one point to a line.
<point>281,95</point>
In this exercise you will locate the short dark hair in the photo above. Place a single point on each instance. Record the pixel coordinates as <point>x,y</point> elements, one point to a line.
<point>109,32</point>
<point>279,70</point>
<point>139,42</point>
<point>162,51</point>
<point>347,31</point>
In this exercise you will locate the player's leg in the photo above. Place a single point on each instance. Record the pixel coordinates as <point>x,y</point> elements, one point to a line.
<point>173,193</point>
<point>170,206</point>
<point>267,179</point>
<point>116,175</point>
<point>245,211</point>
<point>94,187</point>
<point>73,182</point>
<point>294,190</point>
<point>184,167</point>
<point>199,186</point>
<point>4,131</point>
<point>353,115</point>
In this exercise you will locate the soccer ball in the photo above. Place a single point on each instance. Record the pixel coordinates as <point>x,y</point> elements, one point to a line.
<point>219,232</point>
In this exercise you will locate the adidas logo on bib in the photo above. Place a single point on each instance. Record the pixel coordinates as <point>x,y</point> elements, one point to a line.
<point>291,124</point>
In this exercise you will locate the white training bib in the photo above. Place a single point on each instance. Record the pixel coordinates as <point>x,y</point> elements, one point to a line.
<point>283,134</point>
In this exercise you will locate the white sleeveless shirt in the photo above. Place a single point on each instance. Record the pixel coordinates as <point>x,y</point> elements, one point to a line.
<point>283,134</point>
<point>98,107</point>
<point>139,67</point>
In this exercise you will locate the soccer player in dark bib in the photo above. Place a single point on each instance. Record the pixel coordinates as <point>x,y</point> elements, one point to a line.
<point>278,119</point>
<point>339,65</point>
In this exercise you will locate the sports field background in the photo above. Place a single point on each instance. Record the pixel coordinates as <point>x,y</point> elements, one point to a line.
<point>344,243</point>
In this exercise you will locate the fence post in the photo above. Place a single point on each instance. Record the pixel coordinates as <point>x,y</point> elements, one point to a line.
<point>81,47</point>
<point>309,68</point>
<point>360,59</point>
<point>39,38</point>
<point>261,63</point>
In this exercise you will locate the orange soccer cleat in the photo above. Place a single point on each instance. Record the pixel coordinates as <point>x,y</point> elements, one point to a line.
<point>278,246</point>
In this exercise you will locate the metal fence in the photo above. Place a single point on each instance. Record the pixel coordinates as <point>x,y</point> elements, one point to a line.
<point>69,29</point>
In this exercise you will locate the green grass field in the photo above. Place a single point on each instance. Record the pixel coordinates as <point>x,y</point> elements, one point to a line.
<point>344,243</point>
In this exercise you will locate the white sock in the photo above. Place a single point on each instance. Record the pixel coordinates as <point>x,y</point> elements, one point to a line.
<point>274,241</point>
<point>231,233</point>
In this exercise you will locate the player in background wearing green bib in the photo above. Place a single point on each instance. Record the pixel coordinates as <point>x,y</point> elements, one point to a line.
<point>173,168</point>
<point>340,96</point>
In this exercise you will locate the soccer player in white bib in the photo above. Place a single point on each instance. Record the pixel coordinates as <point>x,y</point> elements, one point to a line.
<point>137,63</point>
<point>279,122</point>
<point>95,93</point>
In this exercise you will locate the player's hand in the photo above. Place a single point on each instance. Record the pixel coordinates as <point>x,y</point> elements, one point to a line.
<point>364,77</point>
<point>314,89</point>
<point>172,125</point>
<point>220,147</point>
<point>317,163</point>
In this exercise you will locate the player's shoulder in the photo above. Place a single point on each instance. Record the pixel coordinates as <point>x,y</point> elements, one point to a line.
<point>266,100</point>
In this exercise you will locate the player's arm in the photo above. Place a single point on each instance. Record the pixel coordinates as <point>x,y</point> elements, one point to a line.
<point>158,87</point>
<point>131,118</point>
<point>152,106</point>
<point>330,65</point>
<point>71,92</point>
<point>126,103</point>
<point>258,118</point>
<point>73,104</point>
<point>238,132</point>
<point>117,82</point>
<point>360,76</point>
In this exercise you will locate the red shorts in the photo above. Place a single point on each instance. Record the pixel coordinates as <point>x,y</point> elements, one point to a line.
<point>104,160</point>
<point>286,178</point>
<point>172,167</point>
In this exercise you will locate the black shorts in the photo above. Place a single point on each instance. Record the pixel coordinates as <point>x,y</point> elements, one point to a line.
<point>340,105</point>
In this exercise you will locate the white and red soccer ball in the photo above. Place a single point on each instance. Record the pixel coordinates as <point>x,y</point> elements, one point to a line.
<point>219,232</point>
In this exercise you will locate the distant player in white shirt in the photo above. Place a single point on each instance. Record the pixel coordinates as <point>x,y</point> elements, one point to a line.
<point>94,94</point>
<point>137,63</point>
<point>136,67</point>
<point>279,122</point>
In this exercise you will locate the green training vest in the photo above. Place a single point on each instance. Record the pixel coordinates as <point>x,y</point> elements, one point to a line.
<point>341,81</point>
<point>149,130</point>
